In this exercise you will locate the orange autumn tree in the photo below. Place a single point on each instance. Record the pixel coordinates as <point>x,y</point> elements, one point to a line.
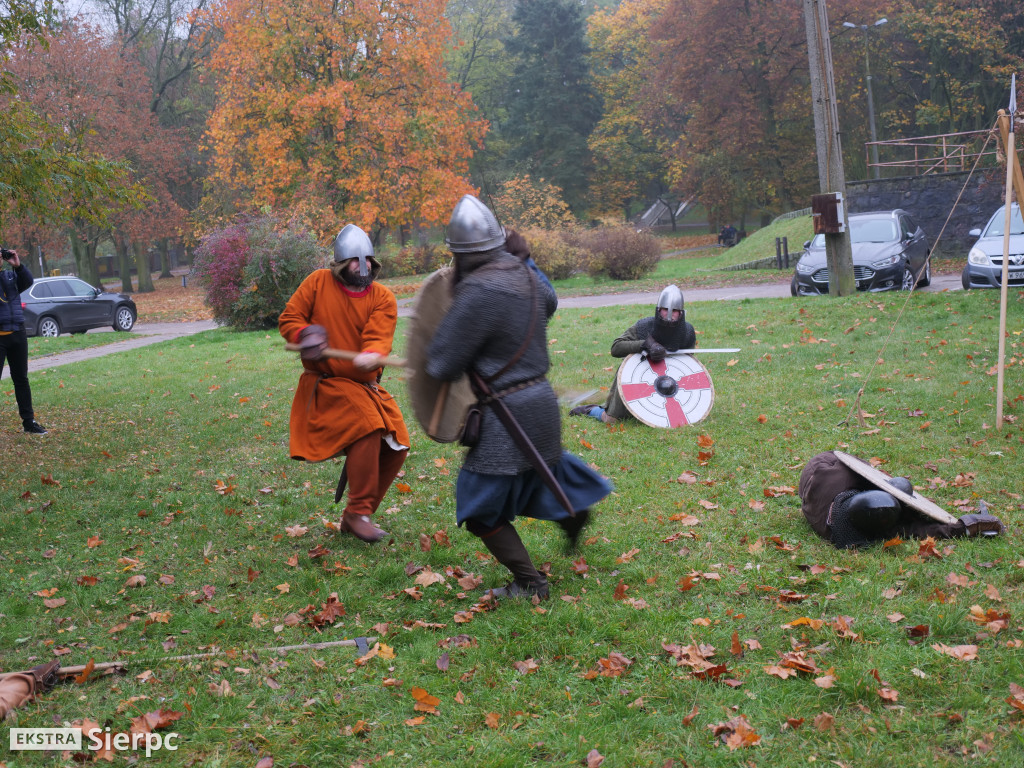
<point>339,111</point>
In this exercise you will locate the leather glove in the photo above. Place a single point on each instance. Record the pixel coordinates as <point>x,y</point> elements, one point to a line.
<point>312,342</point>
<point>45,674</point>
<point>982,525</point>
<point>655,351</point>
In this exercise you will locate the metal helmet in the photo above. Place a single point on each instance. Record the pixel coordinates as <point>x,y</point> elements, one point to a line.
<point>671,334</point>
<point>353,243</point>
<point>473,228</point>
<point>671,298</point>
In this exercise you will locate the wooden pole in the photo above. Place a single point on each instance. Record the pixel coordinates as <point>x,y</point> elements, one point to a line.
<point>1018,176</point>
<point>107,667</point>
<point>1011,155</point>
<point>1012,173</point>
<point>344,354</point>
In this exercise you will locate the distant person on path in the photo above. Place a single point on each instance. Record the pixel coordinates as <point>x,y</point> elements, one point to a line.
<point>339,406</point>
<point>13,339</point>
<point>728,236</point>
<point>853,504</point>
<point>657,335</point>
<point>496,332</point>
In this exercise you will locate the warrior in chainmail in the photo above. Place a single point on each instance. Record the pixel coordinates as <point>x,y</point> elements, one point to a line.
<point>853,510</point>
<point>497,327</point>
<point>658,334</point>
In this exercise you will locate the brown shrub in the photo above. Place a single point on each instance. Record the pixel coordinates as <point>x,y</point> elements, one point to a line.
<point>621,253</point>
<point>557,257</point>
<point>414,260</point>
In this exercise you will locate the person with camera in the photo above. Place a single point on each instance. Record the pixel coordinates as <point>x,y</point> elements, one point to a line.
<point>13,340</point>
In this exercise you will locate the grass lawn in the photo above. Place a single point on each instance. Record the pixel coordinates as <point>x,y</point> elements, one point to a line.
<point>170,463</point>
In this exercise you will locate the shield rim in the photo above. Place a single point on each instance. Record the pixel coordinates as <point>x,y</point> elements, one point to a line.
<point>459,394</point>
<point>881,480</point>
<point>618,389</point>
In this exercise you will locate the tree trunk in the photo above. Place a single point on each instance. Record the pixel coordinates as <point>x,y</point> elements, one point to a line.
<point>145,277</point>
<point>124,263</point>
<point>85,259</point>
<point>165,258</point>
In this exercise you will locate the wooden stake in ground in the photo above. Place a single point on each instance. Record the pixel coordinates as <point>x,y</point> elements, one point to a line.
<point>1011,162</point>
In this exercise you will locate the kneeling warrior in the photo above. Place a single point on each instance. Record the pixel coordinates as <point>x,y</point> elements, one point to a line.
<point>657,335</point>
<point>496,332</point>
<point>853,504</point>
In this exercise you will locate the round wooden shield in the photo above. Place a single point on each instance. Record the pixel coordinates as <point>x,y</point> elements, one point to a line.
<point>671,393</point>
<point>440,407</point>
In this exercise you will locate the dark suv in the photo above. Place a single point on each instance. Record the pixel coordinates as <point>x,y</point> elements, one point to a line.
<point>56,305</point>
<point>889,251</point>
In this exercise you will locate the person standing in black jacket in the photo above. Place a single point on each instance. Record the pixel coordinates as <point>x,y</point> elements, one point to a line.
<point>13,340</point>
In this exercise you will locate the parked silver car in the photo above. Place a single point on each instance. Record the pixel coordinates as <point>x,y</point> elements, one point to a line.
<point>889,251</point>
<point>985,260</point>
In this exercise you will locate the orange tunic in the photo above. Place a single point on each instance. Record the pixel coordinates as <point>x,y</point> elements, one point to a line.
<point>335,403</point>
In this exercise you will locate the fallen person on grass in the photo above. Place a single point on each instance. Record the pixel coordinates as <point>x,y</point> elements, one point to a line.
<point>853,504</point>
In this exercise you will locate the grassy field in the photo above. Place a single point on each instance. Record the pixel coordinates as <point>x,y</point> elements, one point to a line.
<point>170,463</point>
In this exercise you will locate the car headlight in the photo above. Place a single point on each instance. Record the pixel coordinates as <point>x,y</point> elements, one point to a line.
<point>978,258</point>
<point>804,268</point>
<point>887,261</point>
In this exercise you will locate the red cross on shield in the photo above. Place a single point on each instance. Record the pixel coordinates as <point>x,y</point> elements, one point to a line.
<point>671,393</point>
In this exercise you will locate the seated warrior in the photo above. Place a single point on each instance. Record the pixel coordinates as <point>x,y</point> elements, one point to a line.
<point>666,331</point>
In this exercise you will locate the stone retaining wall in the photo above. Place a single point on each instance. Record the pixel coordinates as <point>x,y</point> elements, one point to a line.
<point>929,199</point>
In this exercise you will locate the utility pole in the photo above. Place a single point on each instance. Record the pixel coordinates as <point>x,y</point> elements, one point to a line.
<point>831,176</point>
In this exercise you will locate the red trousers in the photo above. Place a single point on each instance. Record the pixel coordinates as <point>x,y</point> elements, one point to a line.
<point>372,466</point>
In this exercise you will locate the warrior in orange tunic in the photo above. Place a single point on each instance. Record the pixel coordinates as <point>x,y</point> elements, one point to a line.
<point>339,406</point>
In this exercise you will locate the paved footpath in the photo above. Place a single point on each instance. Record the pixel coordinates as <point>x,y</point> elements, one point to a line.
<point>144,334</point>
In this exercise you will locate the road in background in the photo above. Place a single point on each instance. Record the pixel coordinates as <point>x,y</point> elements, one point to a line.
<point>144,334</point>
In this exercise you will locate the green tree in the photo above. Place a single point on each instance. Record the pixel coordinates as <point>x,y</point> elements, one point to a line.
<point>953,61</point>
<point>552,103</point>
<point>629,152</point>
<point>41,177</point>
<point>478,63</point>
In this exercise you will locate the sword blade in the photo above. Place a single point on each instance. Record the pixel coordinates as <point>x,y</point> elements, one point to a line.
<point>704,351</point>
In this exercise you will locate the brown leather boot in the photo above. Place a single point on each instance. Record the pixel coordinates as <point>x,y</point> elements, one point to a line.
<point>361,527</point>
<point>508,549</point>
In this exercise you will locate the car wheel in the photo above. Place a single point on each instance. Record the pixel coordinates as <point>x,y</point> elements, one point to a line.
<point>793,290</point>
<point>965,279</point>
<point>124,319</point>
<point>48,326</point>
<point>908,279</point>
<point>926,276</point>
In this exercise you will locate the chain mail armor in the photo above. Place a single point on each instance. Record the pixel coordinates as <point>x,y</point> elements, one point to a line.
<point>484,328</point>
<point>631,342</point>
<point>844,534</point>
